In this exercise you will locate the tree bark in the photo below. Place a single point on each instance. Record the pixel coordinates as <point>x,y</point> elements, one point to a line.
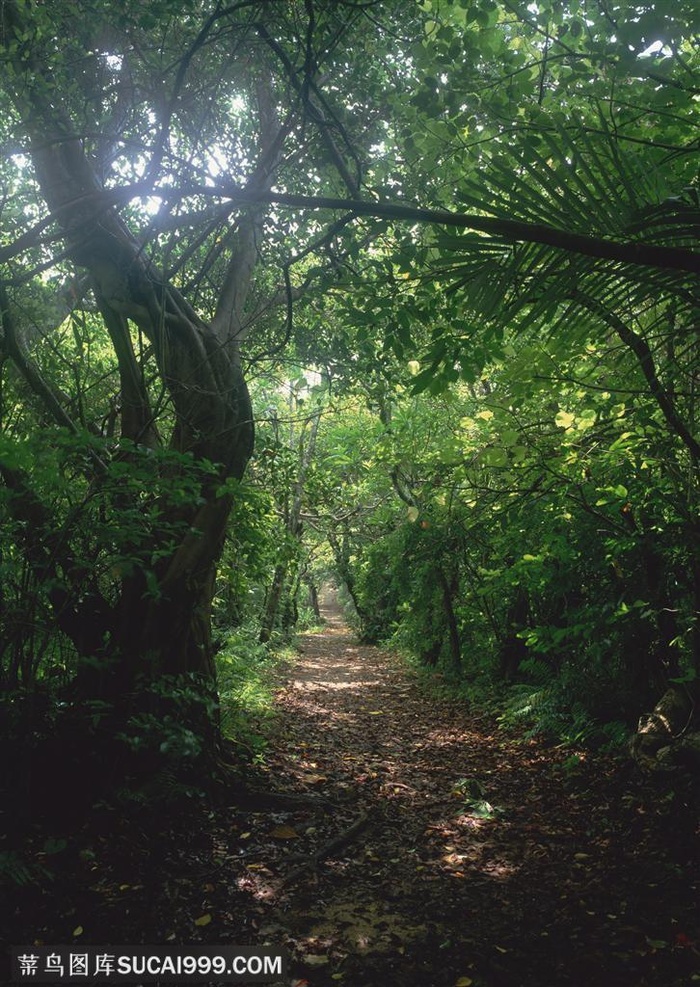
<point>293,526</point>
<point>343,566</point>
<point>313,597</point>
<point>449,588</point>
<point>156,619</point>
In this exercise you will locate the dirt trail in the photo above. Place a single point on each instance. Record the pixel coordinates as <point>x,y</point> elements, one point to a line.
<point>456,855</point>
<point>453,855</point>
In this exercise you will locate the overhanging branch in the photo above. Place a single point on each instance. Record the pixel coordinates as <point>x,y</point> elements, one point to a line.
<point>634,253</point>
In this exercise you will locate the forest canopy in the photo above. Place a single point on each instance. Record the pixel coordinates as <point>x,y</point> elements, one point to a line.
<point>403,295</point>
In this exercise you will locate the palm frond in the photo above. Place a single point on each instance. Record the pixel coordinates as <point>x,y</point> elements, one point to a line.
<point>582,183</point>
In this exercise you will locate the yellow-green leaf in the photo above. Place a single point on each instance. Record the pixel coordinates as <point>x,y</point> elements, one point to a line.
<point>565,419</point>
<point>284,833</point>
<point>203,920</point>
<point>495,457</point>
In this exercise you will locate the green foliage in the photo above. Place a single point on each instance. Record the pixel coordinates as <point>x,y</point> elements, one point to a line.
<point>246,673</point>
<point>560,553</point>
<point>548,473</point>
<point>121,528</point>
<point>16,871</point>
<point>161,729</point>
<point>249,553</point>
<point>550,712</point>
<point>503,415</point>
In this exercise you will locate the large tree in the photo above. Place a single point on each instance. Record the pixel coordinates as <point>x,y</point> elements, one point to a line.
<point>123,123</point>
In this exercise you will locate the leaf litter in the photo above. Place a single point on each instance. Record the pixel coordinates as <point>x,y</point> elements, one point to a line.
<point>432,850</point>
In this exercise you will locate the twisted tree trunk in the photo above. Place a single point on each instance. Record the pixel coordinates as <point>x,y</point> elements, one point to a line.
<point>154,617</point>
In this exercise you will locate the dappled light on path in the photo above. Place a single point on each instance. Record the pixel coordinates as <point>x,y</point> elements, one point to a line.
<point>473,855</point>
<point>390,837</point>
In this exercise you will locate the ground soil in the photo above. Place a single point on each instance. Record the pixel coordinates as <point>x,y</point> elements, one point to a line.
<point>430,848</point>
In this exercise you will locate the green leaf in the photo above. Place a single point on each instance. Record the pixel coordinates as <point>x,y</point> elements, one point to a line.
<point>494,457</point>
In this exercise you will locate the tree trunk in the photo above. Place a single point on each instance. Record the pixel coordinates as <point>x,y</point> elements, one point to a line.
<point>293,526</point>
<point>449,588</point>
<point>155,619</point>
<point>341,556</point>
<point>512,649</point>
<point>272,603</point>
<point>313,598</point>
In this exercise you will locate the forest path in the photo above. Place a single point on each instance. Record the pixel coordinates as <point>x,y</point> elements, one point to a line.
<point>457,855</point>
<point>453,854</point>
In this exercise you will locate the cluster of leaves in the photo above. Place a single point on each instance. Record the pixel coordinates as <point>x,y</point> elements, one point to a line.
<point>541,532</point>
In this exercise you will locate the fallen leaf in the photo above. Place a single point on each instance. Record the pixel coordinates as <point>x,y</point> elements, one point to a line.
<point>203,920</point>
<point>284,833</point>
<point>464,982</point>
<point>313,959</point>
<point>78,931</point>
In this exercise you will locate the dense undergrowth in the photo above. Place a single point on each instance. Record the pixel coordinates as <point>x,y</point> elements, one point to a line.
<point>248,673</point>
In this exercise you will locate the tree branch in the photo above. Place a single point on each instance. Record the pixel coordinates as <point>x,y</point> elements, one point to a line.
<point>303,89</point>
<point>137,421</point>
<point>227,324</point>
<point>645,358</point>
<point>635,253</point>
<point>16,351</point>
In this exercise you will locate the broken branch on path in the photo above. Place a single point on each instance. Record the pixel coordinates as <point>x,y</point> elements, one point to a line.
<point>311,862</point>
